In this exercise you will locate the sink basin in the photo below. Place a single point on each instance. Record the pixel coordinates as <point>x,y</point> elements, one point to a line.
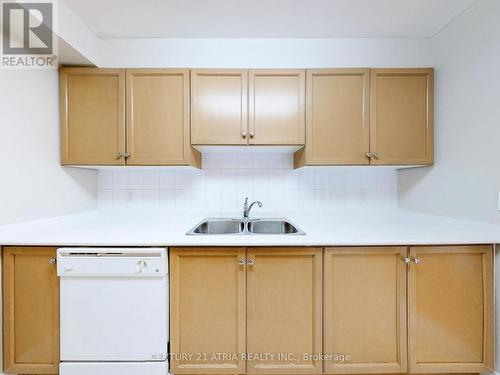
<point>272,226</point>
<point>223,226</point>
<point>219,226</point>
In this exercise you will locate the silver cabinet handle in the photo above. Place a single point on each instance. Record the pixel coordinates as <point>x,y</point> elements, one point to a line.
<point>369,155</point>
<point>241,262</point>
<point>244,134</point>
<point>406,260</point>
<point>251,262</point>
<point>417,260</point>
<point>251,134</point>
<point>120,155</point>
<point>52,261</point>
<point>375,155</point>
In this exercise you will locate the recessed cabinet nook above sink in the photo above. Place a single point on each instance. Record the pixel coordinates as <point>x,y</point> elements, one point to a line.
<point>163,117</point>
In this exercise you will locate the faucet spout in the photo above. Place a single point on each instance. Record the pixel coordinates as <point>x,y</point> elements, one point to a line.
<point>248,207</point>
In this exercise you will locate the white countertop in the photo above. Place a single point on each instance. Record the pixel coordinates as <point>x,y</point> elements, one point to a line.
<point>168,228</point>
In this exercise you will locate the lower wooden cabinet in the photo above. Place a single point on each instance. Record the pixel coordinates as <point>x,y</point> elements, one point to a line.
<point>211,331</point>
<point>364,310</point>
<point>364,322</point>
<point>284,309</point>
<point>207,304</point>
<point>451,309</point>
<point>236,310</point>
<point>30,311</point>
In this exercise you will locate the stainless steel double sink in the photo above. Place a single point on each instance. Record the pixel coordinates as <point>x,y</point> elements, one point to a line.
<point>220,226</point>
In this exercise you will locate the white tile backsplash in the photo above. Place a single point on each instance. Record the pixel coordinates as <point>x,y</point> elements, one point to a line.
<point>167,179</point>
<point>151,179</point>
<point>226,179</point>
<point>120,179</point>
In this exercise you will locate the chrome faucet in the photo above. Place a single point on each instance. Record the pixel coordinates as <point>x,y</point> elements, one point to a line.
<point>247,207</point>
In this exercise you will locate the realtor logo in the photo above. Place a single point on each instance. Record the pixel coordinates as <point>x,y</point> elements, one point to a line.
<point>28,39</point>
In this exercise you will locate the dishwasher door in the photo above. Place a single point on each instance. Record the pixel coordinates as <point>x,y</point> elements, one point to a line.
<point>114,304</point>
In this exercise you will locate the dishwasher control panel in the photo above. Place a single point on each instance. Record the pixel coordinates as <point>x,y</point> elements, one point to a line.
<point>128,262</point>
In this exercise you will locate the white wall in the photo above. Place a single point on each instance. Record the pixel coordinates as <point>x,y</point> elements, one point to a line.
<point>265,53</point>
<point>240,53</point>
<point>74,32</point>
<point>32,183</point>
<point>466,178</point>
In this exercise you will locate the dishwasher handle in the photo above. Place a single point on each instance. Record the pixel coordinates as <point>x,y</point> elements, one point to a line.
<point>112,264</point>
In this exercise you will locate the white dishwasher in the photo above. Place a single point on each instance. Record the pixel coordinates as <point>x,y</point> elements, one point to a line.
<point>114,311</point>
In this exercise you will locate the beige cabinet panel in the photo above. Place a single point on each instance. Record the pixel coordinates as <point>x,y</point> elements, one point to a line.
<point>284,309</point>
<point>158,118</point>
<point>402,116</point>
<point>365,310</point>
<point>451,309</point>
<point>337,118</point>
<point>30,311</point>
<point>219,107</point>
<point>277,107</point>
<point>92,116</point>
<point>207,319</point>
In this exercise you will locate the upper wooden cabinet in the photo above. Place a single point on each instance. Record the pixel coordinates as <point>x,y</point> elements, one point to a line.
<point>337,118</point>
<point>241,107</point>
<point>92,116</point>
<point>365,309</point>
<point>343,116</point>
<point>276,107</point>
<point>148,107</point>
<point>158,118</point>
<point>402,116</point>
<point>30,311</point>
<point>284,309</point>
<point>219,107</point>
<point>451,309</point>
<point>363,116</point>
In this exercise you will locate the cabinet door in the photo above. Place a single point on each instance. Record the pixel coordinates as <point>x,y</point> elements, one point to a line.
<point>207,301</point>
<point>402,116</point>
<point>365,310</point>
<point>451,309</point>
<point>30,311</point>
<point>337,117</point>
<point>277,107</point>
<point>92,116</point>
<point>219,107</point>
<point>284,310</point>
<point>158,117</point>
